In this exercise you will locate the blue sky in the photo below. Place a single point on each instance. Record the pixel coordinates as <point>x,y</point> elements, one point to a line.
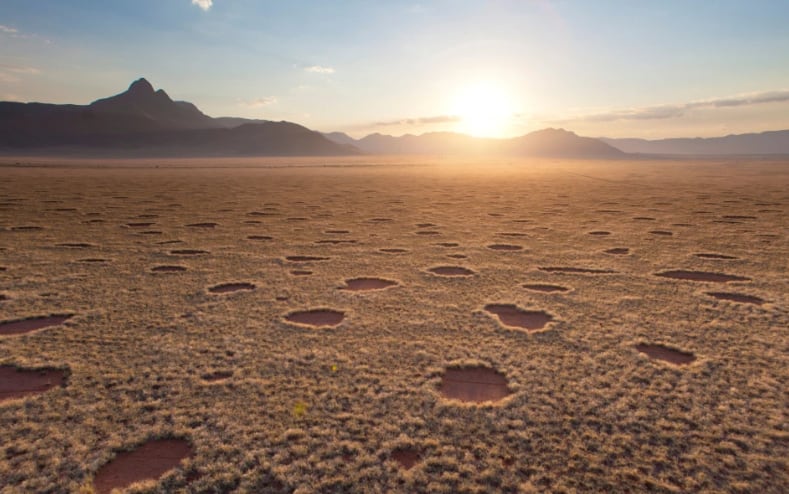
<point>496,67</point>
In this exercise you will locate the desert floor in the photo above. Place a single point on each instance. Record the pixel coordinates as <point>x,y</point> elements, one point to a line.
<point>272,405</point>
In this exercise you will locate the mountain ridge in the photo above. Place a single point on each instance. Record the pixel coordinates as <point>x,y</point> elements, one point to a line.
<point>143,122</point>
<point>773,142</point>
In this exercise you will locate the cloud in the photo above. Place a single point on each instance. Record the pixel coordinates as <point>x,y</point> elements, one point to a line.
<point>258,102</point>
<point>203,4</point>
<point>19,69</point>
<point>659,112</point>
<point>10,73</point>
<point>8,30</point>
<point>319,69</point>
<point>420,121</point>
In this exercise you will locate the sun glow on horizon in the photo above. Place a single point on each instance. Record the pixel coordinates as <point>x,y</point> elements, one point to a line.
<point>485,110</point>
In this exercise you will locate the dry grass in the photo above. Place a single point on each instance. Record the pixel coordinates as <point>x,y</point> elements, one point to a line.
<point>271,406</point>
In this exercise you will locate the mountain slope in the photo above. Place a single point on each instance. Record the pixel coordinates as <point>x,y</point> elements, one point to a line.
<point>773,142</point>
<point>145,122</point>
<point>141,100</point>
<point>545,143</point>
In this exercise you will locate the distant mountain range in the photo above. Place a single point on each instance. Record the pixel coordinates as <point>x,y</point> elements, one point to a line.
<point>558,143</point>
<point>773,142</point>
<point>143,122</point>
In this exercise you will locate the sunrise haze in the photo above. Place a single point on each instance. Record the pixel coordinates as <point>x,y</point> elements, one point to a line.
<point>495,69</point>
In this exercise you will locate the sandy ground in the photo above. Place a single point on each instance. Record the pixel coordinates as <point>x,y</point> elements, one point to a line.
<point>270,405</point>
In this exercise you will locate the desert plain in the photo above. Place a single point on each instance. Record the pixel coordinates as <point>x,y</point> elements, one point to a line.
<point>395,325</point>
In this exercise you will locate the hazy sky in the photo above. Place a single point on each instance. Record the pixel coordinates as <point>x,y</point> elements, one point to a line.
<point>497,67</point>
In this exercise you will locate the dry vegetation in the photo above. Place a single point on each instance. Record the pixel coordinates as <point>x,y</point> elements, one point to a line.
<point>184,284</point>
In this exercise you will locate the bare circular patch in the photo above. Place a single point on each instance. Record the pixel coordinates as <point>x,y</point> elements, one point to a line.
<point>474,384</point>
<point>146,462</point>
<point>701,276</point>
<point>75,245</point>
<point>451,271</point>
<point>168,269</point>
<point>667,354</point>
<point>539,287</point>
<point>231,287</point>
<point>507,247</point>
<point>705,255</point>
<point>362,284</point>
<point>406,457</point>
<point>335,242</point>
<point>736,297</point>
<point>569,269</point>
<point>512,315</point>
<point>316,317</point>
<point>21,326</point>
<point>217,376</point>
<point>16,382</point>
<point>188,252</point>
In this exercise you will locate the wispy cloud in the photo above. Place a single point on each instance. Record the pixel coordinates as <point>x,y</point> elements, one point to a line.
<point>203,4</point>
<point>8,30</point>
<point>258,102</point>
<point>11,73</point>
<point>659,112</point>
<point>319,69</point>
<point>420,121</point>
<point>19,69</point>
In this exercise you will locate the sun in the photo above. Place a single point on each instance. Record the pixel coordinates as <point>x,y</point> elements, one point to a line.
<point>485,110</point>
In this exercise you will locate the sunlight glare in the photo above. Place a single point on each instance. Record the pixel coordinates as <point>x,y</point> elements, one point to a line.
<point>485,110</point>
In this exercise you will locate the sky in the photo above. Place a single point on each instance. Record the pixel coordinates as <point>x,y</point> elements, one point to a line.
<point>614,68</point>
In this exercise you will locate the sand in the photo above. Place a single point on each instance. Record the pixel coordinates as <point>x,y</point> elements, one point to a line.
<point>267,404</point>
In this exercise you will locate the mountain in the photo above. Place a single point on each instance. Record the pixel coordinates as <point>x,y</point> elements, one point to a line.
<point>141,100</point>
<point>340,138</point>
<point>145,122</point>
<point>232,122</point>
<point>773,142</point>
<point>557,143</point>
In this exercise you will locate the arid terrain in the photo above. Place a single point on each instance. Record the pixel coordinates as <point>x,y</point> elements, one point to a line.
<point>405,326</point>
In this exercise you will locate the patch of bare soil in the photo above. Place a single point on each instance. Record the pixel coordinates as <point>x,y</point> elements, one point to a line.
<point>316,317</point>
<point>231,287</point>
<point>736,297</point>
<point>514,316</point>
<point>667,354</point>
<point>364,284</point>
<point>150,460</point>
<point>451,271</point>
<point>701,276</point>
<point>21,326</point>
<point>474,384</point>
<point>17,382</point>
